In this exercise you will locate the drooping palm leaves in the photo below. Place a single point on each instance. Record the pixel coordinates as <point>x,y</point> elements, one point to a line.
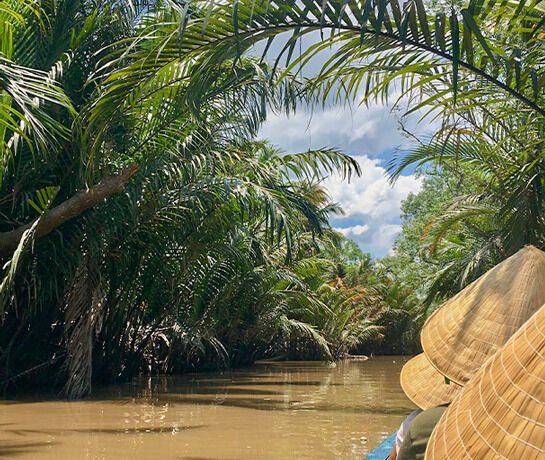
<point>483,48</point>
<point>28,95</point>
<point>211,243</point>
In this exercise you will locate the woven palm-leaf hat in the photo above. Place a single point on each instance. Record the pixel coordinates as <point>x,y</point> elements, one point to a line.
<point>469,328</point>
<point>424,386</point>
<point>500,413</point>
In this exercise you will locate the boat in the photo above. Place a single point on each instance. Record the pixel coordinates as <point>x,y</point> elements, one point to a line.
<point>357,357</point>
<point>382,451</point>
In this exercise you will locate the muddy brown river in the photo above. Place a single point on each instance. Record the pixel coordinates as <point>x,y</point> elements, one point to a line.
<point>269,411</point>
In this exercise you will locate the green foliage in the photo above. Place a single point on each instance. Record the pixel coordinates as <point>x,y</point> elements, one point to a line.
<point>218,250</point>
<point>481,205</point>
<point>192,264</point>
<point>378,44</point>
<point>412,261</point>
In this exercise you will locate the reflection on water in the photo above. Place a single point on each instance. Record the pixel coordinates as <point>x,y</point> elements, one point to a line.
<point>270,411</point>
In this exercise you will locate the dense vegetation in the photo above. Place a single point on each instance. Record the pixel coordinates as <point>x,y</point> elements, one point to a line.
<point>143,228</point>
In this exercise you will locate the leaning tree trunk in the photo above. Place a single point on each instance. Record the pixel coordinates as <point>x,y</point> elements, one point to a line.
<point>67,210</point>
<point>83,304</point>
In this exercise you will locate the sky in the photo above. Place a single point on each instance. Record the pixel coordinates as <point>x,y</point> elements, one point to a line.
<point>372,136</point>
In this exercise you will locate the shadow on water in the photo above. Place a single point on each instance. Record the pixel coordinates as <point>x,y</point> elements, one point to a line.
<point>220,391</point>
<point>336,408</point>
<point>310,383</point>
<point>291,405</point>
<point>13,449</point>
<point>159,429</point>
<point>267,388</point>
<point>205,458</point>
<point>171,429</point>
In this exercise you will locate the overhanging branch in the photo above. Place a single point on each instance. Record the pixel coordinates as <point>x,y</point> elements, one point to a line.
<point>69,209</point>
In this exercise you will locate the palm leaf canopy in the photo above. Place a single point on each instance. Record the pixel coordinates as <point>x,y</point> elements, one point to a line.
<point>374,44</point>
<point>28,96</point>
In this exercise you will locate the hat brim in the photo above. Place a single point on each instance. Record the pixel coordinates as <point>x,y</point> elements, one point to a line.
<point>424,386</point>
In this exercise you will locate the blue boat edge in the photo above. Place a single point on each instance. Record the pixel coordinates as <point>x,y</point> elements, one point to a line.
<point>382,451</point>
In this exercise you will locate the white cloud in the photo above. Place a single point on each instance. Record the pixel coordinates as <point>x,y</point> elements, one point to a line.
<point>386,235</point>
<point>371,203</point>
<point>356,130</point>
<point>378,241</point>
<point>355,230</point>
<point>371,195</point>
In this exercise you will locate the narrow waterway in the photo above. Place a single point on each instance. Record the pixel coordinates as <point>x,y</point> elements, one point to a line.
<point>269,411</point>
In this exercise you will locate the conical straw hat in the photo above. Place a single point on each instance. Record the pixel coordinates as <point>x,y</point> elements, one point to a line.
<point>469,328</point>
<point>424,386</point>
<point>500,413</point>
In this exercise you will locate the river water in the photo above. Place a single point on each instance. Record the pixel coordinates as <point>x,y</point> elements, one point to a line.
<point>269,411</point>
